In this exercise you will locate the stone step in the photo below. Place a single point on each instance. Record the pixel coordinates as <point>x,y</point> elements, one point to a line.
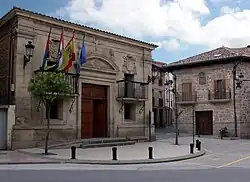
<point>103,140</point>
<point>138,138</point>
<point>107,144</point>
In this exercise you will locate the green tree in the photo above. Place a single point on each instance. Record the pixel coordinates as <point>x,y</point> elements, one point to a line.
<point>46,87</point>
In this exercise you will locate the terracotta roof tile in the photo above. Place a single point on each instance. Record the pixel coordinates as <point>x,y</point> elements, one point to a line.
<point>215,54</point>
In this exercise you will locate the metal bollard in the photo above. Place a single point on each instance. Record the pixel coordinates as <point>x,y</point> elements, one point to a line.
<point>114,153</point>
<point>150,152</point>
<point>191,148</point>
<point>199,146</point>
<point>73,152</point>
<point>197,143</point>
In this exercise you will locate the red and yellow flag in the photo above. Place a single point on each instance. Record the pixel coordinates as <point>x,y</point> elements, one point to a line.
<point>69,55</point>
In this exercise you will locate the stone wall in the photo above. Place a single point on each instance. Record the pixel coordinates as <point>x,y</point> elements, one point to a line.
<point>223,112</point>
<point>102,50</point>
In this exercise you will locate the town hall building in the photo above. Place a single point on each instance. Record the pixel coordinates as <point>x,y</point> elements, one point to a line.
<point>113,96</point>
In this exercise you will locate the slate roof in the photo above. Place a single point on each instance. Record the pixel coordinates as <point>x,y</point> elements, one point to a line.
<point>215,54</point>
<point>84,26</point>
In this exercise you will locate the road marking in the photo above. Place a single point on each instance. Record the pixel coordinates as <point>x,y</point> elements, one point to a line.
<point>233,162</point>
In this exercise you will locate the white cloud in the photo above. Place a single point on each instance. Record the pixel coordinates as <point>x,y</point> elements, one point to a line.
<point>180,19</point>
<point>170,45</point>
<point>227,10</point>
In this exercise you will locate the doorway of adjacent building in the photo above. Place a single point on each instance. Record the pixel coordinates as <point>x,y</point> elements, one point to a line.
<point>3,129</point>
<point>204,122</point>
<point>94,111</point>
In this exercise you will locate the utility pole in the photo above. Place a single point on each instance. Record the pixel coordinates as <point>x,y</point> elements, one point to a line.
<point>234,98</point>
<point>193,123</point>
<point>176,111</point>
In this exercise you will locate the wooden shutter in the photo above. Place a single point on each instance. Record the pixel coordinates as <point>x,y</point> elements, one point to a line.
<point>224,92</point>
<point>215,95</point>
<point>186,91</point>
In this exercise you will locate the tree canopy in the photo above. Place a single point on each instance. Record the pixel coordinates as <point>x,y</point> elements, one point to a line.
<point>47,86</point>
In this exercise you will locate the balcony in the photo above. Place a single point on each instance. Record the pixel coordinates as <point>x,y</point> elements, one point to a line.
<point>71,78</point>
<point>160,102</point>
<point>132,91</point>
<point>219,96</point>
<point>186,98</point>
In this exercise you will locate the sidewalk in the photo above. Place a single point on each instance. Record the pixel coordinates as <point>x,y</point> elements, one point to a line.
<point>163,151</point>
<point>14,157</point>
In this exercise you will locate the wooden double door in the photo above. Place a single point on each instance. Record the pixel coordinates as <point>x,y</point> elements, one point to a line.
<point>204,122</point>
<point>94,111</point>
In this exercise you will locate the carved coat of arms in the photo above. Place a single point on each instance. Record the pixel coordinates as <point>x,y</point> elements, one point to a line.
<point>54,50</point>
<point>129,65</point>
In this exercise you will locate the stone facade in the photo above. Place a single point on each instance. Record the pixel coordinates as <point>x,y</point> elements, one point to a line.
<point>108,57</point>
<point>159,97</point>
<point>223,111</point>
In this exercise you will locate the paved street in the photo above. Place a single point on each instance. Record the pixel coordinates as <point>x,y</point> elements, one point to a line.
<point>226,160</point>
<point>223,175</point>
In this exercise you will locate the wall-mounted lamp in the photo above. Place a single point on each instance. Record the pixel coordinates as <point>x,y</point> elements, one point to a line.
<point>153,76</point>
<point>29,49</point>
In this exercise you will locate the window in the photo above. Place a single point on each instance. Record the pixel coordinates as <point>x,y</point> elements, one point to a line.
<point>220,89</point>
<point>129,85</point>
<point>202,78</point>
<point>129,111</point>
<point>160,79</point>
<point>160,99</point>
<point>187,92</point>
<point>160,94</point>
<point>56,110</point>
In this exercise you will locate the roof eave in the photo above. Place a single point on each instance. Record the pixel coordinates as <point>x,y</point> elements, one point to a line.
<point>9,15</point>
<point>90,30</point>
<point>169,68</point>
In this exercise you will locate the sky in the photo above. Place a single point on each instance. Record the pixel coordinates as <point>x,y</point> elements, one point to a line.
<point>181,28</point>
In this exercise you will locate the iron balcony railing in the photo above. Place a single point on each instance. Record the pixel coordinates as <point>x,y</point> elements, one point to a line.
<point>223,94</point>
<point>187,96</point>
<point>71,78</point>
<point>161,102</point>
<point>132,89</point>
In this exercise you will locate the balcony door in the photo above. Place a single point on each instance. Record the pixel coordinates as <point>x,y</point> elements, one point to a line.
<point>187,92</point>
<point>220,89</point>
<point>129,85</point>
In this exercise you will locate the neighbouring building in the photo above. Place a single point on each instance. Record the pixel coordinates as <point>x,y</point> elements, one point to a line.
<point>114,98</point>
<point>205,92</point>
<point>160,99</point>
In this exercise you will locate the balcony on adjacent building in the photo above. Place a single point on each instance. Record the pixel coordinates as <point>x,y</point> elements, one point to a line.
<point>160,102</point>
<point>132,90</point>
<point>223,95</point>
<point>186,97</point>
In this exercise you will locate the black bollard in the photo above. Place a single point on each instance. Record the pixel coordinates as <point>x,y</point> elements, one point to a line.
<point>191,148</point>
<point>150,152</point>
<point>114,153</point>
<point>197,143</point>
<point>199,146</point>
<point>73,152</point>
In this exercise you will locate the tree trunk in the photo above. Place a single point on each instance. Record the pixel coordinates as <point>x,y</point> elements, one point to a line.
<point>48,107</point>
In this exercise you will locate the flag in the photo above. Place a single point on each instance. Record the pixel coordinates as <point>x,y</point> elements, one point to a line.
<point>82,57</point>
<point>68,55</point>
<point>60,51</point>
<point>47,51</point>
